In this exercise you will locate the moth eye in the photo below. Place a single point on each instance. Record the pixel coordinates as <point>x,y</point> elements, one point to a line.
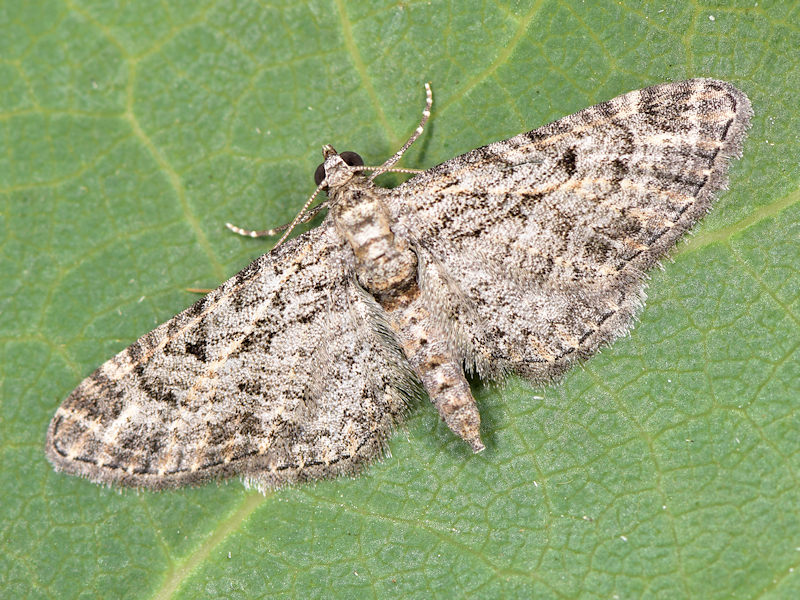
<point>352,159</point>
<point>319,174</point>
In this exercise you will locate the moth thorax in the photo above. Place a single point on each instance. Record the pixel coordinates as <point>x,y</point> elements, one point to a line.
<point>385,263</point>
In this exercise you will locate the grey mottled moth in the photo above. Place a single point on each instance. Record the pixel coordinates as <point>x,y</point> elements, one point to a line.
<point>523,256</point>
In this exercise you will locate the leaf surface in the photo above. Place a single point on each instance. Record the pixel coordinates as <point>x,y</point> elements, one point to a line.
<point>667,466</point>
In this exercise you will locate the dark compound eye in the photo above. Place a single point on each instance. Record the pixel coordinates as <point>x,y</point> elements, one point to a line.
<point>350,158</point>
<point>319,174</point>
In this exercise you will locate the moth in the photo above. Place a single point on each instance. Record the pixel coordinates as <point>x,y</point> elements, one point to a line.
<point>521,257</point>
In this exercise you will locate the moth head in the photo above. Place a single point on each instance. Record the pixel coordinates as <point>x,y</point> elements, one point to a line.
<point>336,168</point>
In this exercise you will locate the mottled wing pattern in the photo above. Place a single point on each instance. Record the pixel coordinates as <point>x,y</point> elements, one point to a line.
<point>280,375</point>
<point>543,239</point>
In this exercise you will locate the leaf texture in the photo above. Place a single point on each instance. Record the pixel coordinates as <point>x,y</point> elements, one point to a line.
<point>668,466</point>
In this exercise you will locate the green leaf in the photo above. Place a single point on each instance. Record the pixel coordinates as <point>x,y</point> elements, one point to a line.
<point>667,466</point>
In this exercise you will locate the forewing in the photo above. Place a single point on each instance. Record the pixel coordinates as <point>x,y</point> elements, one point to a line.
<point>548,234</point>
<point>281,374</point>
